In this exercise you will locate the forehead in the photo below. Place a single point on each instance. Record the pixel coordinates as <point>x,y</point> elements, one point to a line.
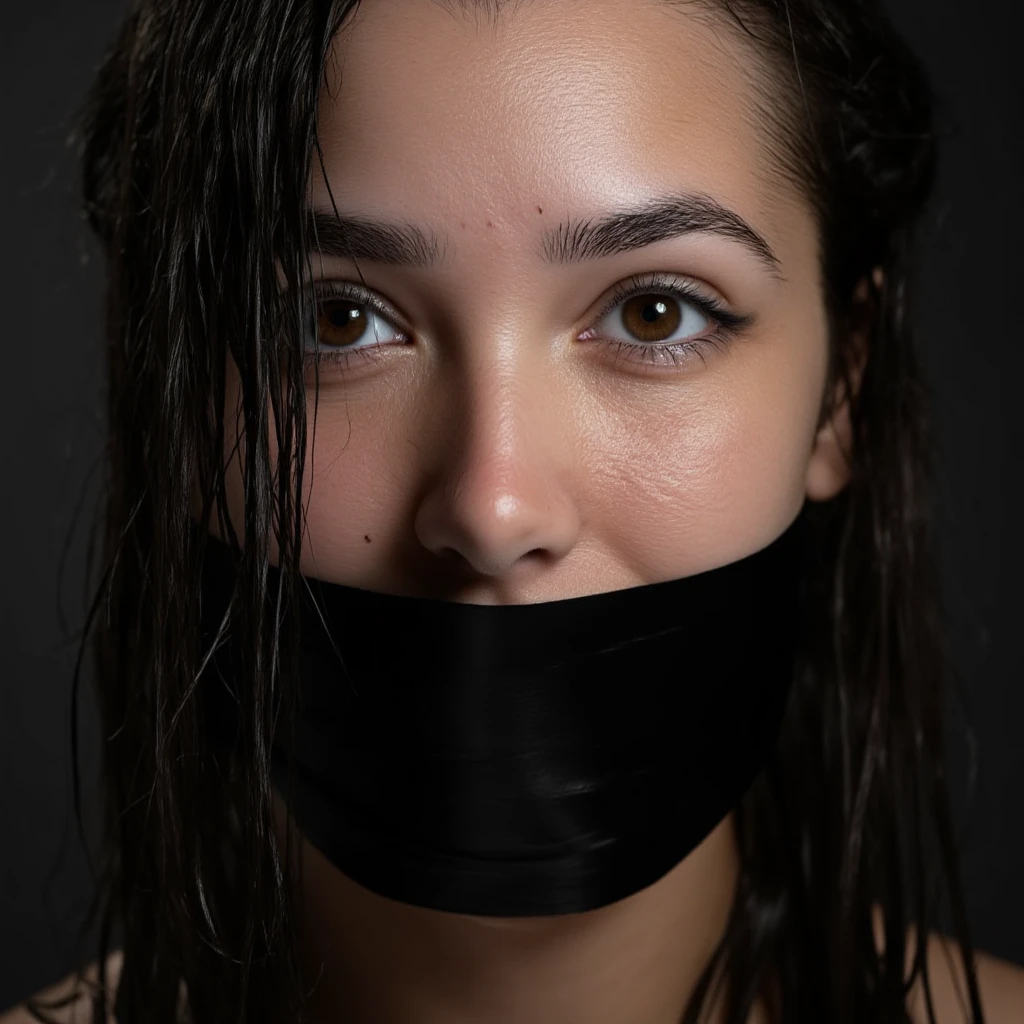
<point>441,108</point>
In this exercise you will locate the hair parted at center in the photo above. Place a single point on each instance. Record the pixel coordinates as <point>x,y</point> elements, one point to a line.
<point>198,141</point>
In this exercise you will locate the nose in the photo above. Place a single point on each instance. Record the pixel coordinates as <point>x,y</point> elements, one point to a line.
<point>501,494</point>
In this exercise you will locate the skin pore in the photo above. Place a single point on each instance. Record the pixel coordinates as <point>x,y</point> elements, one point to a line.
<point>501,447</point>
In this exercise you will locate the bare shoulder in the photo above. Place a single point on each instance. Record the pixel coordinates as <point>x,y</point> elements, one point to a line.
<point>77,1011</point>
<point>1000,986</point>
<point>1000,983</point>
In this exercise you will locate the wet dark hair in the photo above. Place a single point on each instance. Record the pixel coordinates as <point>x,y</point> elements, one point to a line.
<point>198,140</point>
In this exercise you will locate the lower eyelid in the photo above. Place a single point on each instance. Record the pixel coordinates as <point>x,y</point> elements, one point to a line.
<point>677,354</point>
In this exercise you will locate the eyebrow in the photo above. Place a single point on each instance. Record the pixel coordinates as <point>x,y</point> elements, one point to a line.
<point>400,243</point>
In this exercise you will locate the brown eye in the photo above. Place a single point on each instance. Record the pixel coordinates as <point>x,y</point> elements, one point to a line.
<point>651,317</point>
<point>345,323</point>
<point>341,322</point>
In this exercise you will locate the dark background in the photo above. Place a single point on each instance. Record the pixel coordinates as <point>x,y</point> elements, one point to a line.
<point>51,402</point>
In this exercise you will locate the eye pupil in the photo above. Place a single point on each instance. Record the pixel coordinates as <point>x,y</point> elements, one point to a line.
<point>341,317</point>
<point>651,317</point>
<point>653,310</point>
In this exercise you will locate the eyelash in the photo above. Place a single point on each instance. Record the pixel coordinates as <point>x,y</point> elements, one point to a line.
<point>726,323</point>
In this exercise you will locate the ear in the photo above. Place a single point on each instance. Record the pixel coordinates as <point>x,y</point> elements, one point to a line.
<point>830,465</point>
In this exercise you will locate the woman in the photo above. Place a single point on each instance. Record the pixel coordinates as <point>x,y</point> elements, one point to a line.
<point>419,311</point>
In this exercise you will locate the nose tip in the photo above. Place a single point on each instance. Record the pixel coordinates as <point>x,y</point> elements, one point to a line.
<point>499,460</point>
<point>491,535</point>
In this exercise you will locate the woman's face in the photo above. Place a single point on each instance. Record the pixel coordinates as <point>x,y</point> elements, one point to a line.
<point>493,439</point>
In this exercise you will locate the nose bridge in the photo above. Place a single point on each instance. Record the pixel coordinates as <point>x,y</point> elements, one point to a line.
<point>502,406</point>
<point>502,485</point>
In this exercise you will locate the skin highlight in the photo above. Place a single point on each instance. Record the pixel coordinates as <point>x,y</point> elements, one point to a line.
<point>497,458</point>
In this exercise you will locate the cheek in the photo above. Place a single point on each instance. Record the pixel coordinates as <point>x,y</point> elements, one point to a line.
<point>358,482</point>
<point>710,473</point>
<point>350,463</point>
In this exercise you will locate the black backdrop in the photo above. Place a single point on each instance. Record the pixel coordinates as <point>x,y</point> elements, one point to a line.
<point>50,401</point>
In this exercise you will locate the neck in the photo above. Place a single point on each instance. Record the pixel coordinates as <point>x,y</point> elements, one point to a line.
<point>637,960</point>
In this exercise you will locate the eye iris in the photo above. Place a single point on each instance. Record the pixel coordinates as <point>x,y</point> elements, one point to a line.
<point>651,317</point>
<point>341,322</point>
